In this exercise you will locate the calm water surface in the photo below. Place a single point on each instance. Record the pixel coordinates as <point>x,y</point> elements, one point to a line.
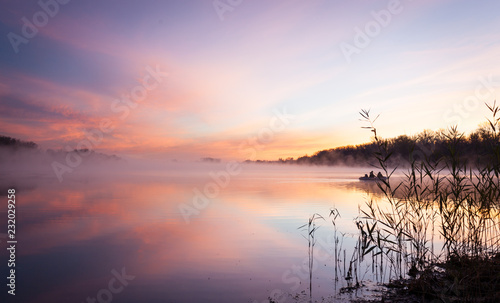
<point>237,241</point>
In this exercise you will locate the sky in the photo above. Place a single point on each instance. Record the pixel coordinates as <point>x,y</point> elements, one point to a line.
<point>241,79</point>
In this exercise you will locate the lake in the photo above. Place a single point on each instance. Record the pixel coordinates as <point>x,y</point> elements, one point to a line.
<point>186,233</point>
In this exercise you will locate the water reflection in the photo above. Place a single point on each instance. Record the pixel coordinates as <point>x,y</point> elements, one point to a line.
<point>243,246</point>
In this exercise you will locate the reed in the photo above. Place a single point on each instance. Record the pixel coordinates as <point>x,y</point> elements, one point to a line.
<point>311,229</point>
<point>446,197</point>
<point>448,193</point>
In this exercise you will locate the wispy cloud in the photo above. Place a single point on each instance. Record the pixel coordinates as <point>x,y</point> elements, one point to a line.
<point>227,77</point>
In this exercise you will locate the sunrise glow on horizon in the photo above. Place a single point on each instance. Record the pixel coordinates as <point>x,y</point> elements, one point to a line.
<point>242,79</point>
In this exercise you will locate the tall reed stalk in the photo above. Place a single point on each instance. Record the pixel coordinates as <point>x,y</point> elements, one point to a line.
<point>311,240</point>
<point>447,193</point>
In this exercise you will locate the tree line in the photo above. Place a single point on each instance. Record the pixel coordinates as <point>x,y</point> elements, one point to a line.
<point>13,143</point>
<point>427,145</point>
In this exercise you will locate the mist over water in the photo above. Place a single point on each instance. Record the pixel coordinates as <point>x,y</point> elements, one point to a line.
<point>188,232</point>
<point>73,165</point>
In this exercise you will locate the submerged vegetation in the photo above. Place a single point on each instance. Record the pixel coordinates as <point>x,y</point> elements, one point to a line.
<point>437,229</point>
